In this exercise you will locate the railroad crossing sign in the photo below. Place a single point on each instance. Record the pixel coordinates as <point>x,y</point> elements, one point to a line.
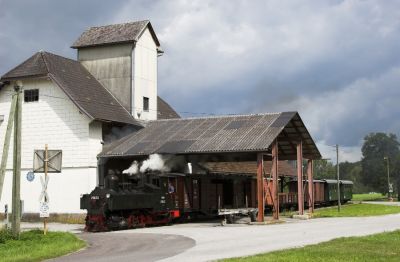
<point>44,197</point>
<point>390,188</point>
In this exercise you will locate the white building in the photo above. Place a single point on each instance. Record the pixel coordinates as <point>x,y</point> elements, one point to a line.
<point>74,106</point>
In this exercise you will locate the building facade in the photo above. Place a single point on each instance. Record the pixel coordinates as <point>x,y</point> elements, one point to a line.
<point>74,106</point>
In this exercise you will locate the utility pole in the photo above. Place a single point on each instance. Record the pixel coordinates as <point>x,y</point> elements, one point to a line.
<point>16,197</point>
<point>7,139</point>
<point>388,177</point>
<point>337,176</point>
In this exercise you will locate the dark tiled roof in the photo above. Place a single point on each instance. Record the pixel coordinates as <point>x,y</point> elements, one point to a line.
<point>224,134</point>
<point>247,167</point>
<point>77,83</point>
<point>164,110</point>
<point>112,34</point>
<point>34,66</point>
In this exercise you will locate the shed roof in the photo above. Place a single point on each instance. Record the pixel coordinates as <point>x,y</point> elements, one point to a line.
<point>114,34</point>
<point>79,85</point>
<point>247,167</point>
<point>223,134</point>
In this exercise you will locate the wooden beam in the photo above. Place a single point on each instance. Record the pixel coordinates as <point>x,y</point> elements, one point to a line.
<point>310,185</point>
<point>7,139</point>
<point>260,187</point>
<point>274,173</point>
<point>300,200</point>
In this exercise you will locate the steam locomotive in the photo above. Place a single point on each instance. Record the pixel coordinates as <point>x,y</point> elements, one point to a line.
<point>146,199</point>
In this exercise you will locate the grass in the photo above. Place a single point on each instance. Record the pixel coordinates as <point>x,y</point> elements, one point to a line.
<point>34,246</point>
<point>369,197</point>
<point>357,210</point>
<point>55,217</point>
<point>378,247</point>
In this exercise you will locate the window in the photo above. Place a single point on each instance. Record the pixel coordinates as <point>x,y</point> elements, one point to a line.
<point>31,95</point>
<point>145,104</point>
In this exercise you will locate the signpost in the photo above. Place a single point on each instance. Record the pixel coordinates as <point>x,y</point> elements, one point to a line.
<point>46,161</point>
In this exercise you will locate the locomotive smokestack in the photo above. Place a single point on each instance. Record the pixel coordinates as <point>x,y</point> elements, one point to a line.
<point>101,162</point>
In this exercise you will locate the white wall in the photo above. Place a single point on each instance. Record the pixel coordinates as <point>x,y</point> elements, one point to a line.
<point>54,120</point>
<point>144,66</point>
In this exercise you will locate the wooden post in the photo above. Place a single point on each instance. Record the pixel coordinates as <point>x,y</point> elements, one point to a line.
<point>274,173</point>
<point>16,197</point>
<point>310,185</point>
<point>300,200</point>
<point>46,160</point>
<point>260,187</point>
<point>7,139</point>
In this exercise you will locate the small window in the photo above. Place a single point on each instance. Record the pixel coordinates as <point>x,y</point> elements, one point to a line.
<point>31,95</point>
<point>145,104</point>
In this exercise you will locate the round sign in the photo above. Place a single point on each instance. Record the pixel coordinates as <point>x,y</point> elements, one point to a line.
<point>30,176</point>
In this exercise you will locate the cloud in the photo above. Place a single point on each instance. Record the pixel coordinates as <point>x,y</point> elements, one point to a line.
<point>336,62</point>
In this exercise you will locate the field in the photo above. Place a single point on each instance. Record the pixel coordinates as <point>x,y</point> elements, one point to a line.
<point>378,247</point>
<point>357,210</point>
<point>369,197</point>
<point>34,246</point>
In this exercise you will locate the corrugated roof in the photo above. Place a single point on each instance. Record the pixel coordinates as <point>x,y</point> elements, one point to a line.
<point>113,34</point>
<point>247,167</point>
<point>164,110</point>
<point>78,84</point>
<point>223,134</point>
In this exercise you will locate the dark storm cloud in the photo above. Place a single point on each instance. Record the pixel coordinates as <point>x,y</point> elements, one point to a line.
<point>337,62</point>
<point>29,26</point>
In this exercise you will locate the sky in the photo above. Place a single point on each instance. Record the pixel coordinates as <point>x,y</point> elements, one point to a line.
<point>335,62</point>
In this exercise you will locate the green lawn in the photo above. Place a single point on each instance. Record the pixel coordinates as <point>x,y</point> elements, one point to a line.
<point>369,197</point>
<point>378,247</point>
<point>357,210</point>
<point>34,246</point>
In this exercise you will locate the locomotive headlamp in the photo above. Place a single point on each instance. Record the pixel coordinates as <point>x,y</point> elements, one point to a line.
<point>108,195</point>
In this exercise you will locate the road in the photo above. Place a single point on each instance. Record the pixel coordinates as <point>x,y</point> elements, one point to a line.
<point>209,241</point>
<point>109,247</point>
<point>386,203</point>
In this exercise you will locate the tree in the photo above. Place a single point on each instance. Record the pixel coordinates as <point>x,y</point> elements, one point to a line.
<point>377,146</point>
<point>324,169</point>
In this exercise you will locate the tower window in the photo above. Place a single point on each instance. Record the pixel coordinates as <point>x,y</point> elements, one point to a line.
<point>31,95</point>
<point>145,104</point>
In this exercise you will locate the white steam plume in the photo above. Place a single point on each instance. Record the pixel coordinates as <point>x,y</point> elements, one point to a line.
<point>133,169</point>
<point>155,162</point>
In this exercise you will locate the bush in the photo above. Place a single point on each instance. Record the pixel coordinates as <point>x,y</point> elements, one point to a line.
<point>5,234</point>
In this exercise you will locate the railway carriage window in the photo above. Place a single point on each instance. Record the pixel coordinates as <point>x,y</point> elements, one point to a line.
<point>171,188</point>
<point>31,95</point>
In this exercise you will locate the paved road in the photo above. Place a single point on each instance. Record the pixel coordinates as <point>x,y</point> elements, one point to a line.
<point>216,242</point>
<point>209,241</point>
<point>386,203</point>
<point>129,247</point>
